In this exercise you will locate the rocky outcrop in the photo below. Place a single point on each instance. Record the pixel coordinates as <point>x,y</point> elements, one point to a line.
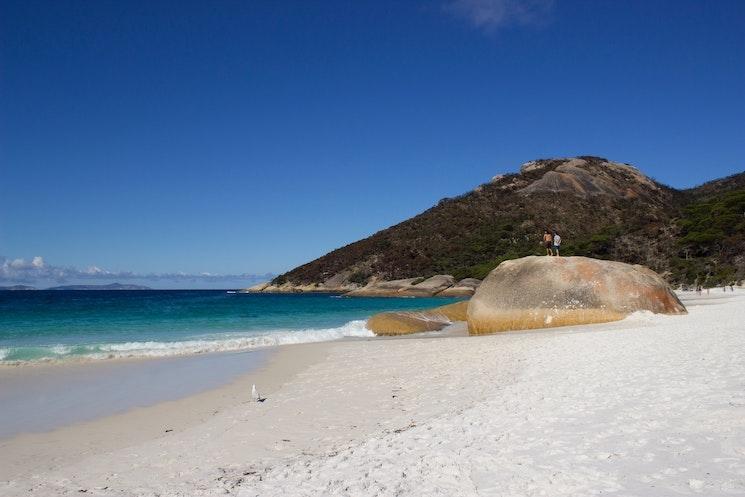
<point>533,165</point>
<point>464,288</point>
<point>287,287</point>
<point>440,285</point>
<point>429,287</point>
<point>381,288</point>
<point>256,288</point>
<point>410,287</point>
<point>611,179</point>
<point>407,322</point>
<point>540,292</point>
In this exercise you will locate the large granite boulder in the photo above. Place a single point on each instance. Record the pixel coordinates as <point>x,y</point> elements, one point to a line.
<point>406,322</point>
<point>541,292</point>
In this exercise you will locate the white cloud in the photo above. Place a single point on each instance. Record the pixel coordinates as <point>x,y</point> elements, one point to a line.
<point>95,270</point>
<point>492,14</point>
<point>37,271</point>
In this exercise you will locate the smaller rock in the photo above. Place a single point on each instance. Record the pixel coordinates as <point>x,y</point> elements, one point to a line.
<point>407,322</point>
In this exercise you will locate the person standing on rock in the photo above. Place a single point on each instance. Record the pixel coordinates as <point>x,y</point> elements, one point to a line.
<point>557,243</point>
<point>547,242</point>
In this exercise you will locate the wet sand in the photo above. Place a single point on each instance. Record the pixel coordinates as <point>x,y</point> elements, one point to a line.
<point>30,453</point>
<point>36,398</point>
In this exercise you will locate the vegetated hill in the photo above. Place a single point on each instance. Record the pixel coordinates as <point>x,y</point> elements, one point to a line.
<point>602,209</point>
<point>711,241</point>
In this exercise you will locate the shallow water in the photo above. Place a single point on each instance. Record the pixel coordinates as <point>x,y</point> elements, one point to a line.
<point>44,325</point>
<point>39,399</point>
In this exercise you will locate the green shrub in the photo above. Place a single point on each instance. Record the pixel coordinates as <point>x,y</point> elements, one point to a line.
<point>481,271</point>
<point>360,277</point>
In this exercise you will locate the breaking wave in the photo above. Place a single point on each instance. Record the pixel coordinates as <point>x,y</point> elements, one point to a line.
<point>228,342</point>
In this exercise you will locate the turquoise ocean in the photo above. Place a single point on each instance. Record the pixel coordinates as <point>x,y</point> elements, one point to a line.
<point>63,325</point>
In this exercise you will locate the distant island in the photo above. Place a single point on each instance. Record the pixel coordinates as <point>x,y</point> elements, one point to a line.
<point>112,286</point>
<point>16,288</point>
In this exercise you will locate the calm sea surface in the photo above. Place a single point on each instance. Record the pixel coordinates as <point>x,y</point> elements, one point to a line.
<point>43,325</point>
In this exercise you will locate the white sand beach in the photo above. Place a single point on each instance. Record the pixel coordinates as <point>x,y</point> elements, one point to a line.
<point>649,406</point>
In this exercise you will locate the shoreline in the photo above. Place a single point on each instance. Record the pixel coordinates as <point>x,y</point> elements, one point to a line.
<point>441,411</point>
<point>268,340</point>
<point>66,388</point>
<point>45,397</point>
<point>21,452</point>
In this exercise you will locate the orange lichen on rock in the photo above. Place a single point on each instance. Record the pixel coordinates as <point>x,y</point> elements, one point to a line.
<point>407,322</point>
<point>539,318</point>
<point>540,292</point>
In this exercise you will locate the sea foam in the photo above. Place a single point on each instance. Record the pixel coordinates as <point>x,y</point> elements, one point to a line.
<point>228,342</point>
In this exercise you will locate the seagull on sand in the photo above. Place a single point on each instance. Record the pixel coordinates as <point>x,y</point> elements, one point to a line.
<point>255,395</point>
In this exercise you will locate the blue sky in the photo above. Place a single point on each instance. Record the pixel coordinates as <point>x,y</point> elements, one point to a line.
<point>246,137</point>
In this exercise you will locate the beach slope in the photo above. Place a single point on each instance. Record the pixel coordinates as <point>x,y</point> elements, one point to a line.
<point>647,406</point>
